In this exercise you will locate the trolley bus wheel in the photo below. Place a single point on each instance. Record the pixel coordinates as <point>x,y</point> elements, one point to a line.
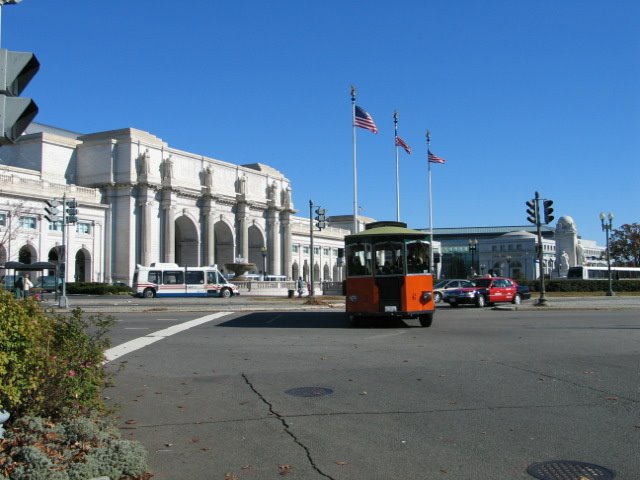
<point>225,293</point>
<point>148,293</point>
<point>426,320</point>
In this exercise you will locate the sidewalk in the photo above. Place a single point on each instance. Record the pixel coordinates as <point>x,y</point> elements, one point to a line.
<point>248,302</point>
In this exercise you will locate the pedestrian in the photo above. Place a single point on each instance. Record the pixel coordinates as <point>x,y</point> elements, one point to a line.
<point>300,285</point>
<point>26,285</point>
<point>17,287</point>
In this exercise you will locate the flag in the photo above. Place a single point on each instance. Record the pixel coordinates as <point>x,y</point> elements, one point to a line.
<point>434,158</point>
<point>364,120</point>
<point>401,143</point>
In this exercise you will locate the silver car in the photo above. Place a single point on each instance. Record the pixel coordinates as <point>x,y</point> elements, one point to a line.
<point>440,288</point>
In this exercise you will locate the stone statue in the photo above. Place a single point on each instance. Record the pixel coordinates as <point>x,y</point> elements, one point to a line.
<point>208,177</point>
<point>167,168</point>
<point>580,255</point>
<point>144,161</point>
<point>271,191</point>
<point>565,261</point>
<point>242,184</point>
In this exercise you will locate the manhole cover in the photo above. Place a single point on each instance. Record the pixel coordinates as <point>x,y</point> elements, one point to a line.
<point>309,391</point>
<point>569,470</point>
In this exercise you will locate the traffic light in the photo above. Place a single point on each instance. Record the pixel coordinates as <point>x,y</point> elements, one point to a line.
<point>72,211</point>
<point>548,211</point>
<point>532,212</point>
<point>16,113</point>
<point>321,219</point>
<point>53,211</point>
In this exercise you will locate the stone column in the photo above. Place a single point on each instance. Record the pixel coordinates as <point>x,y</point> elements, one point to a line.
<point>208,231</point>
<point>285,221</point>
<point>108,240</point>
<point>243,230</point>
<point>275,264</point>
<point>144,235</point>
<point>169,233</point>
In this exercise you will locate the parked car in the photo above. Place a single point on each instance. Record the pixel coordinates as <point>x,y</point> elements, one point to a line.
<point>440,288</point>
<point>524,292</point>
<point>487,291</point>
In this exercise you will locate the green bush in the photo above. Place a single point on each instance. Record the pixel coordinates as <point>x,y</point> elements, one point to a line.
<point>94,288</point>
<point>50,364</point>
<point>564,285</point>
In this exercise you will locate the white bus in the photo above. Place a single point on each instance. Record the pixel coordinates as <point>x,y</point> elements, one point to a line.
<point>171,280</point>
<point>602,273</point>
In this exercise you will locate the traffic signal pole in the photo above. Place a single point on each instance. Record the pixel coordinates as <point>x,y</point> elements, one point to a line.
<point>542,301</point>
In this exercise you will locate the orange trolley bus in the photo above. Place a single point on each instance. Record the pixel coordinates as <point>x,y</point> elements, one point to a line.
<point>388,273</point>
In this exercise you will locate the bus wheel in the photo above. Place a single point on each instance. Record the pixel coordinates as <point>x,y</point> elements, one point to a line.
<point>148,293</point>
<point>426,320</point>
<point>225,293</point>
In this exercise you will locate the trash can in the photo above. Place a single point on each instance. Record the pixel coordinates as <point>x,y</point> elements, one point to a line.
<point>290,293</point>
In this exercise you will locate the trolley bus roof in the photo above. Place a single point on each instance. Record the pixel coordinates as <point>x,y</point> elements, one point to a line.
<point>387,228</point>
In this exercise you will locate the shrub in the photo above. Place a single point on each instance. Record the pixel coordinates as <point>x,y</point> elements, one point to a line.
<point>78,449</point>
<point>50,364</point>
<point>94,288</point>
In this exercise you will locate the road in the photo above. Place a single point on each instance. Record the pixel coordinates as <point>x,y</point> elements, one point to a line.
<point>482,394</point>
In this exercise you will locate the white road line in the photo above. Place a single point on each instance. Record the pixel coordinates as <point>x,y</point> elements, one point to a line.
<point>138,343</point>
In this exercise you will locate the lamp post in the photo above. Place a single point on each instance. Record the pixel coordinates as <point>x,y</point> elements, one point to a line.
<point>509,266</point>
<point>606,227</point>
<point>263,250</point>
<point>473,247</point>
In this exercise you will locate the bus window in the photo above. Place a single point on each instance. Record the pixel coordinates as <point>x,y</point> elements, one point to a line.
<point>359,259</point>
<point>154,276</point>
<point>173,277</point>
<point>195,278</point>
<point>211,278</point>
<point>417,257</point>
<point>388,258</point>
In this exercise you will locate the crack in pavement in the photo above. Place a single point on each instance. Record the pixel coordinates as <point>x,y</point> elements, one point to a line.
<point>287,428</point>
<point>569,382</point>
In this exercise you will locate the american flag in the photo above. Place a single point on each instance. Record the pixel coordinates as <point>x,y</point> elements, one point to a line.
<point>364,120</point>
<point>401,143</point>
<point>434,158</point>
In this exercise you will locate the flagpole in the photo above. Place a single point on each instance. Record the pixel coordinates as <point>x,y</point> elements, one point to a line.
<point>355,169</point>
<point>395,141</point>
<point>430,205</point>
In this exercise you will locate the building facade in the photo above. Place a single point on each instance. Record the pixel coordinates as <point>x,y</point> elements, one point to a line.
<point>147,202</point>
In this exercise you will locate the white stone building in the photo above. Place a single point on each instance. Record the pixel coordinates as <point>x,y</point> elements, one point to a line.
<point>143,200</point>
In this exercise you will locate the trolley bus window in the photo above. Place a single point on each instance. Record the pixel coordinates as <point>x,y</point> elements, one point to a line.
<point>389,258</point>
<point>195,278</point>
<point>173,277</point>
<point>417,257</point>
<point>359,259</point>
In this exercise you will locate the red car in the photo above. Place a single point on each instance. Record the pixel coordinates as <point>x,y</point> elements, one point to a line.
<point>486,291</point>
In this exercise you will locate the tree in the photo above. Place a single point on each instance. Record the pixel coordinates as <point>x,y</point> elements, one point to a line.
<point>625,245</point>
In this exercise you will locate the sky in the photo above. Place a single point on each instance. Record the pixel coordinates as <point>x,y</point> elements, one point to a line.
<point>519,96</point>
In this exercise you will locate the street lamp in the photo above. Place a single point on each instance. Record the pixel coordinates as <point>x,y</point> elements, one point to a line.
<point>606,227</point>
<point>263,250</point>
<point>473,246</point>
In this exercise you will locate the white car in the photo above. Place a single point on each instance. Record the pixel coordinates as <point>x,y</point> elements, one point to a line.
<point>440,288</point>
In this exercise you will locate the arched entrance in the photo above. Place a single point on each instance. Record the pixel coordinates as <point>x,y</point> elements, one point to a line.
<point>187,243</point>
<point>27,254</point>
<point>295,270</point>
<point>256,242</point>
<point>83,266</point>
<point>223,251</point>
<point>55,257</point>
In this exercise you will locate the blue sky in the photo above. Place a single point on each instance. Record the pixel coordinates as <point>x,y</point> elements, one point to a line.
<point>519,96</point>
